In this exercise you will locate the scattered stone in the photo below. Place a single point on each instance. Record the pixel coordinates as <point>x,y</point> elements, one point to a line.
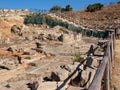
<point>33,86</point>
<point>19,59</point>
<point>32,64</point>
<point>66,67</point>
<point>55,76</point>
<point>51,37</point>
<point>81,79</point>
<point>41,36</point>
<point>28,57</point>
<point>8,63</point>
<point>3,67</point>
<point>17,29</point>
<point>38,45</point>
<point>60,38</point>
<point>8,86</point>
<point>10,49</point>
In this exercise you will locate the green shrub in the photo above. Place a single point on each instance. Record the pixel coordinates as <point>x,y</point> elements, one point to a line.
<point>118,2</point>
<point>55,9</point>
<point>68,8</point>
<point>94,7</point>
<point>51,22</point>
<point>77,57</point>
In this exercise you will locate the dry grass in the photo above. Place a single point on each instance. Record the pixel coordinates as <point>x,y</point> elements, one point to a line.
<point>108,16</point>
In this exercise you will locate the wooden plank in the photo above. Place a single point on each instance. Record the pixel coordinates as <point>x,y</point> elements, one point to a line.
<point>96,83</point>
<point>106,78</point>
<point>110,62</point>
<point>112,48</point>
<point>105,66</point>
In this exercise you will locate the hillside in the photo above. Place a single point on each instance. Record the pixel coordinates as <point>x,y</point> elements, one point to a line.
<point>107,18</point>
<point>9,18</point>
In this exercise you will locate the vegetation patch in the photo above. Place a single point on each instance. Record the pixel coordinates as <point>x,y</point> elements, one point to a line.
<point>37,18</point>
<point>57,8</point>
<point>77,57</point>
<point>94,7</point>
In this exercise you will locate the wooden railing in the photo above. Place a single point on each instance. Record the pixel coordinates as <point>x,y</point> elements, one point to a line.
<point>102,77</point>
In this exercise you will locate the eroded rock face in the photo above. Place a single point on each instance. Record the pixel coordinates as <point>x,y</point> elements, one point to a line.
<point>83,78</point>
<point>17,29</point>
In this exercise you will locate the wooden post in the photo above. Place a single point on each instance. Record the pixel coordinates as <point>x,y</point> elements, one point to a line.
<point>102,71</point>
<point>112,48</point>
<point>107,69</point>
<point>110,60</point>
<point>96,83</point>
<point>106,78</point>
<point>114,39</point>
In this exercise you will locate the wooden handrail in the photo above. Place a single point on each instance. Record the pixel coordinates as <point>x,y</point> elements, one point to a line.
<point>96,83</point>
<point>104,69</point>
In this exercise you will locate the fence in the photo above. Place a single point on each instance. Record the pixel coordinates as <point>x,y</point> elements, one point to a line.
<point>102,77</point>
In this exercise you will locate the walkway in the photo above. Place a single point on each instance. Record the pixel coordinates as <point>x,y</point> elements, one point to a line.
<point>116,68</point>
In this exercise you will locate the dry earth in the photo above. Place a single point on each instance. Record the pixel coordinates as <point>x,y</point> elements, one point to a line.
<point>116,68</point>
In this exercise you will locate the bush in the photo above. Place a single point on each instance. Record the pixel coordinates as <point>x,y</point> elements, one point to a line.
<point>51,22</point>
<point>60,9</point>
<point>118,2</point>
<point>55,9</point>
<point>94,7</point>
<point>77,57</point>
<point>68,8</point>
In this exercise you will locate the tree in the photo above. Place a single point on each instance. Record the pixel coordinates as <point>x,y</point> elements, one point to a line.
<point>94,7</point>
<point>63,9</point>
<point>55,9</point>
<point>68,8</point>
<point>118,2</point>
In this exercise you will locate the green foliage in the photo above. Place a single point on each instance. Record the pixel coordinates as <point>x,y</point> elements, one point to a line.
<point>94,7</point>
<point>77,57</point>
<point>55,9</point>
<point>46,19</point>
<point>68,8</point>
<point>60,9</point>
<point>118,2</point>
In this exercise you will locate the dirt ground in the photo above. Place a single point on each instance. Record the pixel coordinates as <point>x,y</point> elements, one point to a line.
<point>116,68</point>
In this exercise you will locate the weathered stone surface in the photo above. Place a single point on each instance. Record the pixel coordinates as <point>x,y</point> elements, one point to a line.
<point>33,86</point>
<point>95,63</point>
<point>59,75</point>
<point>79,81</point>
<point>17,29</point>
<point>99,52</point>
<point>10,49</point>
<point>10,63</point>
<point>51,37</point>
<point>83,78</point>
<point>60,38</point>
